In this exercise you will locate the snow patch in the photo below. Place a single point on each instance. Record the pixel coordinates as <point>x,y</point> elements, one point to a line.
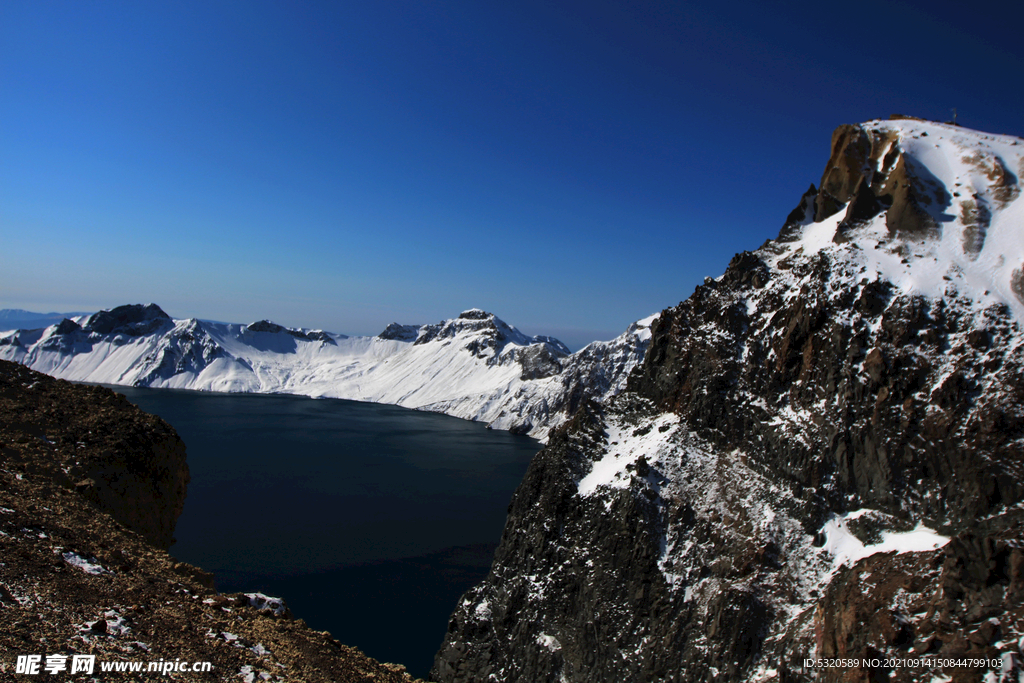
<point>89,566</point>
<point>265,603</point>
<point>847,549</point>
<point>626,444</point>
<point>550,643</point>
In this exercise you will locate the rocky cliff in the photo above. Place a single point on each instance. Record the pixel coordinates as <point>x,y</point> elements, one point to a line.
<point>128,463</point>
<point>819,457</point>
<point>90,490</point>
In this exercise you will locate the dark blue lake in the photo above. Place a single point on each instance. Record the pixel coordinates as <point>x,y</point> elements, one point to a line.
<point>369,520</point>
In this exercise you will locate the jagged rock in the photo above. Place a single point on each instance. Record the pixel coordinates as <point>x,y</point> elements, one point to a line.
<point>67,327</point>
<point>400,332</point>
<point>265,326</point>
<point>862,208</point>
<point>134,320</point>
<point>693,527</point>
<point>800,216</point>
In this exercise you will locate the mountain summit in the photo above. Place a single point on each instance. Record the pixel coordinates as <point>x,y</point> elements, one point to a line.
<point>820,455</point>
<point>924,206</point>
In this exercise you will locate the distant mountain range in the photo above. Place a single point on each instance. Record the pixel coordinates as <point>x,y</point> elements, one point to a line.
<point>17,319</point>
<point>474,366</point>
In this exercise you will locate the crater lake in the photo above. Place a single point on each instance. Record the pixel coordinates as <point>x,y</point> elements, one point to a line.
<point>370,520</point>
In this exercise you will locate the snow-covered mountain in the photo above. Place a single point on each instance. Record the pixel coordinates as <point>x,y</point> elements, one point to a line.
<point>821,455</point>
<point>475,366</point>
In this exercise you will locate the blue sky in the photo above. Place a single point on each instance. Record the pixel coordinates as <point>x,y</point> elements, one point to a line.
<point>570,166</point>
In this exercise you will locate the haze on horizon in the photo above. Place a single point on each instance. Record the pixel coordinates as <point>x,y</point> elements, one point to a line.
<point>571,167</point>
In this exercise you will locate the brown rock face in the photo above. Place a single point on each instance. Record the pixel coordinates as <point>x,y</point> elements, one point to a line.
<point>127,462</point>
<point>908,193</point>
<point>1017,283</point>
<point>857,156</point>
<point>868,173</point>
<point>851,148</point>
<point>954,603</point>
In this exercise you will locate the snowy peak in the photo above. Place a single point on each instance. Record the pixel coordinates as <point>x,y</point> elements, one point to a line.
<point>485,335</point>
<point>186,350</point>
<point>921,174</point>
<point>929,207</point>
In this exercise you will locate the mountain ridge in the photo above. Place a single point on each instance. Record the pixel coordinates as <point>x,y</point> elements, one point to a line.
<point>474,366</point>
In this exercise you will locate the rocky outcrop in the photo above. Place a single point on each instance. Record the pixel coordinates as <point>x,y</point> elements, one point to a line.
<point>538,362</point>
<point>133,320</point>
<point>66,326</point>
<point>867,174</point>
<point>274,328</point>
<point>88,485</point>
<point>397,332</point>
<point>820,455</point>
<point>129,464</point>
<point>891,410</point>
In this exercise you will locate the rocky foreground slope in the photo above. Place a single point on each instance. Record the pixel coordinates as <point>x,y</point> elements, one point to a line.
<point>821,456</point>
<point>90,489</point>
<point>474,366</point>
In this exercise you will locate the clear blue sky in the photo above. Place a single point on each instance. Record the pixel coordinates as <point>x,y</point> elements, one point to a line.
<point>570,166</point>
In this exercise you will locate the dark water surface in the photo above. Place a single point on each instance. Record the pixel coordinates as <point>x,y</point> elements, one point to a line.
<point>369,520</point>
